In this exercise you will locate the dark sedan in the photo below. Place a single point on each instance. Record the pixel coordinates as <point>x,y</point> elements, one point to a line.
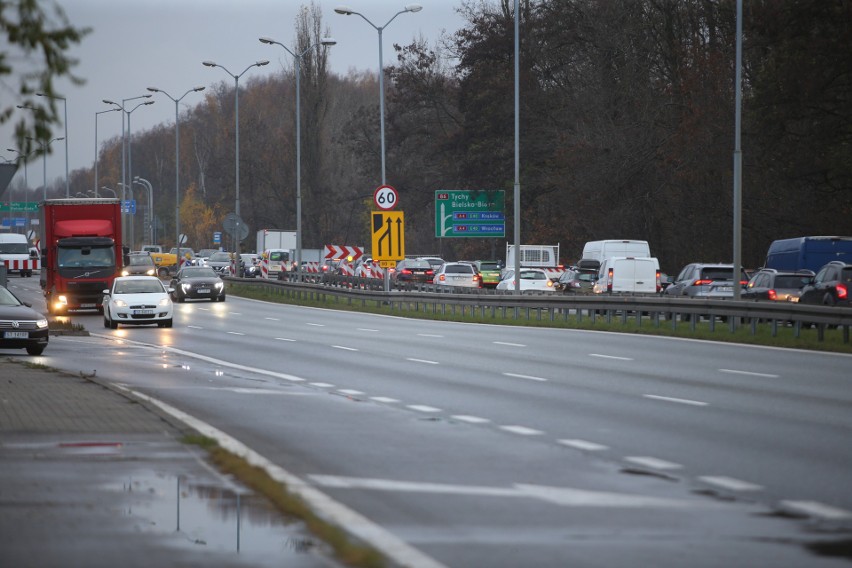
<point>412,270</point>
<point>197,282</point>
<point>21,327</point>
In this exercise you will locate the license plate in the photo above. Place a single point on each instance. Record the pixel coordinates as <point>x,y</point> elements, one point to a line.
<point>88,305</point>
<point>143,312</point>
<point>723,289</point>
<point>16,335</point>
<point>204,290</point>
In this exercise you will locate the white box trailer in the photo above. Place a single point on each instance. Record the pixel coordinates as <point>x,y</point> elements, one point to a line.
<point>268,239</point>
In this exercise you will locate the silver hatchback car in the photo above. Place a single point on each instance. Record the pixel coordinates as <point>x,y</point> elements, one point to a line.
<point>702,280</point>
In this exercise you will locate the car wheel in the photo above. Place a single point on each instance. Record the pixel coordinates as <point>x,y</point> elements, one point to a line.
<point>35,349</point>
<point>112,324</point>
<point>106,322</point>
<point>165,323</point>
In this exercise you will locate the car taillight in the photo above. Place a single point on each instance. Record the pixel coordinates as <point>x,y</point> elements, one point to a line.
<point>477,278</point>
<point>842,292</point>
<point>405,271</point>
<point>659,283</point>
<point>430,272</point>
<point>441,278</point>
<point>609,280</point>
<point>702,282</point>
<point>743,282</point>
<point>772,295</point>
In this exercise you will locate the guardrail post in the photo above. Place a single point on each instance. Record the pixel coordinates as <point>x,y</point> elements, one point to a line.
<point>845,334</point>
<point>774,327</point>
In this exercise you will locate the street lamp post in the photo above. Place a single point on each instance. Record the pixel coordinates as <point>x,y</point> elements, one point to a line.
<point>44,147</point>
<point>96,144</point>
<point>114,194</point>
<point>237,152</point>
<point>346,11</point>
<point>177,157</point>
<point>326,41</point>
<point>65,123</point>
<point>22,156</point>
<point>144,182</point>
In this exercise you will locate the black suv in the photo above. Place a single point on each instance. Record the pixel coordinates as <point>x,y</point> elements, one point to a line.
<point>831,286</point>
<point>777,285</point>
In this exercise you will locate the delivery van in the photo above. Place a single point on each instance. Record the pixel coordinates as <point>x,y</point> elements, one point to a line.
<point>808,253</point>
<point>602,250</point>
<point>15,254</point>
<point>628,275</point>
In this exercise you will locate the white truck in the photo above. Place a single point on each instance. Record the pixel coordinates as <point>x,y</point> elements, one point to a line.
<point>15,254</point>
<point>269,239</point>
<point>534,256</point>
<point>628,275</point>
<point>602,250</point>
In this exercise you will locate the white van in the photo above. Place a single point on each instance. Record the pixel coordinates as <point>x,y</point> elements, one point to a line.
<point>628,275</point>
<point>14,252</point>
<point>602,250</point>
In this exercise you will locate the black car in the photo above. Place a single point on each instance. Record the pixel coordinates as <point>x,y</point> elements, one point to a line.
<point>577,281</point>
<point>777,285</point>
<point>197,282</point>
<point>21,327</point>
<point>413,270</point>
<point>831,286</point>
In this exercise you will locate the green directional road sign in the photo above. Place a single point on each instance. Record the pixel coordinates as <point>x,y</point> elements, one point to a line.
<point>20,207</point>
<point>473,213</point>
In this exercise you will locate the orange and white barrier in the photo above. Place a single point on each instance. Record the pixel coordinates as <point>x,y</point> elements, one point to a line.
<point>22,264</point>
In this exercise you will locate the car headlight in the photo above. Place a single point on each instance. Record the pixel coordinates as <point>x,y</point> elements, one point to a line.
<point>150,272</point>
<point>120,303</point>
<point>165,301</point>
<point>41,324</point>
<point>186,287</point>
<point>125,272</point>
<point>220,285</point>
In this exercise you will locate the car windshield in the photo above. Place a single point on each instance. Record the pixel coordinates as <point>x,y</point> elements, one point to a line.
<point>86,257</point>
<point>587,276</point>
<point>278,256</point>
<point>220,257</point>
<point>717,273</point>
<point>14,248</point>
<point>419,264</point>
<point>489,266</point>
<point>198,273</point>
<point>792,281</point>
<point>140,260</point>
<point>138,287</point>
<point>7,298</point>
<point>533,275</point>
<point>458,269</point>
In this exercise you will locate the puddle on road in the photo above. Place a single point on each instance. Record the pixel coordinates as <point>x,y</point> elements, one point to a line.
<point>217,519</point>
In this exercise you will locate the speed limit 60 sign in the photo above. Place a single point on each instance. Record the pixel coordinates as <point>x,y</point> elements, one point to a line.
<point>385,197</point>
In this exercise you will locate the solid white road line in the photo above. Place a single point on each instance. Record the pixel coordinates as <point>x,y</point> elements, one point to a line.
<point>583,445</point>
<point>421,361</point>
<point>527,377</point>
<point>344,348</point>
<point>522,430</point>
<point>389,544</point>
<point>817,509</point>
<point>610,357</point>
<point>384,399</point>
<point>508,344</point>
<point>423,408</point>
<point>677,400</point>
<point>470,419</point>
<point>736,372</point>
<point>730,483</point>
<point>653,462</point>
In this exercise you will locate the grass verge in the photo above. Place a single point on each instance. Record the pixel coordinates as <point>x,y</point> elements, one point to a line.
<point>785,335</point>
<point>351,553</point>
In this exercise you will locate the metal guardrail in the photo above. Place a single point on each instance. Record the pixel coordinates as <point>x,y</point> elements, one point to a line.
<point>553,306</point>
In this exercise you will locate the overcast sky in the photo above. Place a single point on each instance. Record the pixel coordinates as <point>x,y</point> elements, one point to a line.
<point>137,44</point>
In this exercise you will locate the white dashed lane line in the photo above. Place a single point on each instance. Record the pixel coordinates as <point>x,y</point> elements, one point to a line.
<point>526,377</point>
<point>315,324</point>
<point>322,385</point>
<point>730,483</point>
<point>583,445</point>
<point>750,373</point>
<point>653,463</point>
<point>522,430</point>
<point>423,408</point>
<point>235,333</point>
<point>385,399</point>
<point>284,339</point>
<point>426,361</point>
<point>676,400</point>
<point>470,419</point>
<point>817,509</point>
<point>350,391</point>
<point>428,335</point>
<point>616,358</point>
<point>194,327</point>
<point>272,319</point>
<point>366,329</point>
<point>507,344</point>
<point>344,348</point>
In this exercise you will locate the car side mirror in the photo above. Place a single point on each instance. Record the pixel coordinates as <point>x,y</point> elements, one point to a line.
<point>106,292</point>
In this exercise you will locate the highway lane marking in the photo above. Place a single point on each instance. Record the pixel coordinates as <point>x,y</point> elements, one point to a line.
<point>233,313</point>
<point>506,343</point>
<point>243,390</point>
<point>730,483</point>
<point>365,329</point>
<point>561,496</point>
<point>522,430</point>
<point>428,362</point>
<point>750,373</point>
<point>272,319</point>
<point>677,400</point>
<point>322,385</point>
<point>315,324</point>
<point>423,408</point>
<point>350,391</point>
<point>610,357</point>
<point>385,399</point>
<point>429,335</point>
<point>399,551</point>
<point>470,419</point>
<point>583,445</point>
<point>344,348</point>
<point>527,377</point>
<point>817,509</point>
<point>194,327</point>
<point>284,339</point>
<point>235,333</point>
<point>653,463</point>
